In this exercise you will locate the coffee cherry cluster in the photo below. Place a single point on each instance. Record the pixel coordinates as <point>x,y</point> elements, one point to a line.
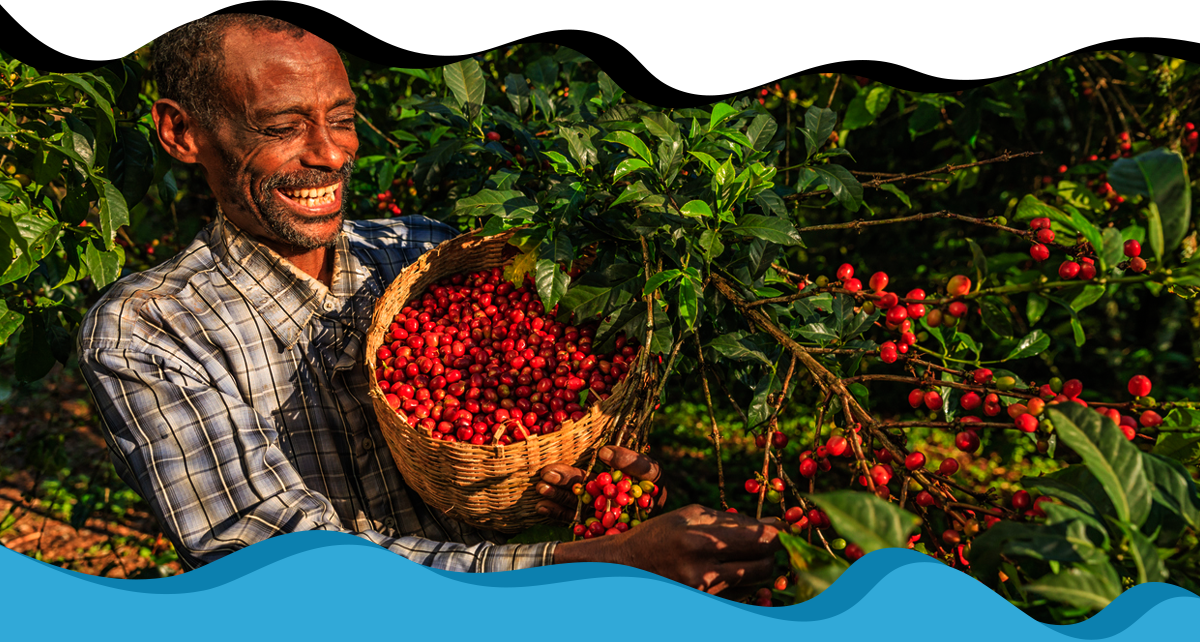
<point>619,504</point>
<point>476,359</point>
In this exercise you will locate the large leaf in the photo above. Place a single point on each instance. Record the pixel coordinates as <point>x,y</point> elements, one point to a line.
<point>1115,462</point>
<point>1031,344</point>
<point>1172,486</point>
<point>819,123</point>
<point>768,228</point>
<point>736,346</point>
<point>842,184</point>
<point>761,131</point>
<point>1150,566</point>
<point>10,320</point>
<point>635,144</point>
<point>1079,587</point>
<point>551,282</point>
<point>1016,538</point>
<point>1161,175</point>
<point>866,520</point>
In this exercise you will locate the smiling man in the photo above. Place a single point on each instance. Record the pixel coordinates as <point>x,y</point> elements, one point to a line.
<point>229,377</point>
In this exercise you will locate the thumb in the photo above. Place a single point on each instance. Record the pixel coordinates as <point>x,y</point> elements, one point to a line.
<point>631,463</point>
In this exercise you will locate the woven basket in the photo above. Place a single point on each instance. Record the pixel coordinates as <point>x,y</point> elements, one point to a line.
<point>488,486</point>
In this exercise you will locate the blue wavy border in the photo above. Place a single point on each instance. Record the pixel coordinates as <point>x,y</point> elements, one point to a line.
<point>313,585</point>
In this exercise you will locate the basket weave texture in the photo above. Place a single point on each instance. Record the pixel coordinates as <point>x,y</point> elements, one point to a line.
<point>488,486</point>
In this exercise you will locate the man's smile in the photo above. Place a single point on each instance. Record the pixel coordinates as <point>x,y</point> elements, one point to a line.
<point>314,200</point>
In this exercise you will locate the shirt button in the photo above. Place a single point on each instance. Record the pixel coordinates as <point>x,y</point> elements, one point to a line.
<point>367,444</point>
<point>328,306</point>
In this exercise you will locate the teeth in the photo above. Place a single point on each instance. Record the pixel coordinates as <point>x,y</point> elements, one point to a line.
<point>311,192</point>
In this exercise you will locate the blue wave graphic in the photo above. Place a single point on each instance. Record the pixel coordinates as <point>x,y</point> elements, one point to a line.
<point>315,585</point>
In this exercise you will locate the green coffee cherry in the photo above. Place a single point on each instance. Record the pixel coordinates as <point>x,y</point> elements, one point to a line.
<point>1005,383</point>
<point>617,475</point>
<point>822,281</point>
<point>837,544</point>
<point>1056,385</point>
<point>773,496</point>
<point>869,307</point>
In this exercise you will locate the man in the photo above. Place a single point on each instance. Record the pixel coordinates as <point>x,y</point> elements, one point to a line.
<point>229,378</point>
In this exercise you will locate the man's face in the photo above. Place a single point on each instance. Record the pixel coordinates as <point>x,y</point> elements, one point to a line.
<point>280,158</point>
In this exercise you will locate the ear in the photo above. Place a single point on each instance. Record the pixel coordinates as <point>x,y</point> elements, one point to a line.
<point>177,131</point>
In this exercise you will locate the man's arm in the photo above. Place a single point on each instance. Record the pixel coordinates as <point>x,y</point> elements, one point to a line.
<point>211,469</point>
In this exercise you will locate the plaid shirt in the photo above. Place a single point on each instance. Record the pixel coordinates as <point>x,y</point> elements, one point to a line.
<point>234,399</point>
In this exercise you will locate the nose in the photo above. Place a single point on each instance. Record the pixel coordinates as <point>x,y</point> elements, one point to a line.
<point>329,149</point>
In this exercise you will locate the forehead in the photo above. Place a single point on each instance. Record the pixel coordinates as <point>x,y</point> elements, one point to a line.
<point>266,72</point>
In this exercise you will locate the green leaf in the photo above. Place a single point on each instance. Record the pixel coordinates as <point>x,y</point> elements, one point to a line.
<point>558,249</point>
<point>103,266</point>
<point>1078,587</point>
<point>1162,175</point>
<point>1173,487</point>
<point>551,282</point>
<point>657,281</point>
<point>114,213</point>
<point>1113,251</point>
<point>1031,344</point>
<point>734,345</point>
<point>465,80</point>
<point>661,126</point>
<point>760,408</point>
<point>768,228</point>
<point>711,245</point>
<point>627,166</point>
<point>1035,307</point>
<point>1150,566</point>
<point>819,123</point>
<point>543,72</point>
<point>517,90</point>
<point>688,309</point>
<point>720,113</point>
<point>1087,296</point>
<point>10,321</point>
<point>761,131</point>
<point>995,316</point>
<point>889,187</point>
<point>1084,226</point>
<point>1115,462</point>
<point>586,301</point>
<point>1182,448</point>
<point>842,184</point>
<point>696,209</point>
<point>866,520</point>
<point>663,338</point>
<point>503,203</point>
<point>709,162</point>
<point>631,141</point>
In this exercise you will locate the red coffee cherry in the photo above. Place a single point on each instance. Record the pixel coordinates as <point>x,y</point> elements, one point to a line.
<point>852,285</point>
<point>958,285</point>
<point>1068,270</point>
<point>1139,386</point>
<point>845,273</point>
<point>1021,500</point>
<point>1150,419</point>
<point>888,352</point>
<point>916,398</point>
<point>854,552</point>
<point>1087,271</point>
<point>887,301</point>
<point>957,309</point>
<point>924,499</point>
<point>808,467</point>
<point>948,467</point>
<point>878,281</point>
<point>1133,248</point>
<point>966,441</point>
<point>1045,235</point>
<point>836,446</point>
<point>1072,388</point>
<point>897,314</point>
<point>1027,423</point>
<point>1041,223</point>
<point>981,376</point>
<point>1039,252</point>
<point>1137,264</point>
<point>752,486</point>
<point>933,400</point>
<point>914,461</point>
<point>970,401</point>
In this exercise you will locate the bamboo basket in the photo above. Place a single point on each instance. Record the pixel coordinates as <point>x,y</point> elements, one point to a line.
<point>487,486</point>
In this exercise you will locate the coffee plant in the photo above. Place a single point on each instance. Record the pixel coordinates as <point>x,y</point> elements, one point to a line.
<point>865,351</point>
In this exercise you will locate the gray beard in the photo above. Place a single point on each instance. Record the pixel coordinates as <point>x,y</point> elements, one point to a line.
<point>277,218</point>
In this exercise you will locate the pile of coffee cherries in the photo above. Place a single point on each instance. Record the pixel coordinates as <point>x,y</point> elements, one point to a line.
<point>619,502</point>
<point>476,359</point>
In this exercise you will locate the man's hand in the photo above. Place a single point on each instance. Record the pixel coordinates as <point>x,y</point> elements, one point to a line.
<point>558,479</point>
<point>703,548</point>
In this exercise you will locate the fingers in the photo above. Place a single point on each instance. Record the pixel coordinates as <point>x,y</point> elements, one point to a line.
<point>746,572</point>
<point>561,475</point>
<point>557,495</point>
<point>631,463</point>
<point>555,511</point>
